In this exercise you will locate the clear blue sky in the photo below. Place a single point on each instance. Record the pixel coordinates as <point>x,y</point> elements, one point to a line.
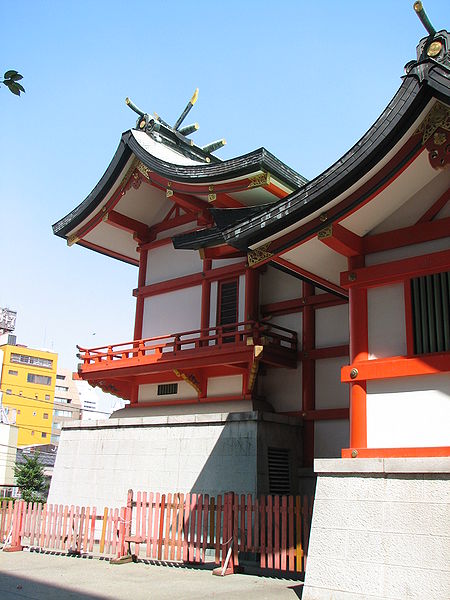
<point>303,79</point>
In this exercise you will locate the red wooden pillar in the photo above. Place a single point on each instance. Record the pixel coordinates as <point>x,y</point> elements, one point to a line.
<point>140,300</point>
<point>308,374</point>
<point>206,297</point>
<point>358,351</point>
<point>251,294</point>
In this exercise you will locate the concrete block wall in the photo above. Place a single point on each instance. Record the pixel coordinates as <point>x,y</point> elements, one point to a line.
<point>380,530</point>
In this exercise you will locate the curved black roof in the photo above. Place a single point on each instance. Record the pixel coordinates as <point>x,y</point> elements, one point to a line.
<point>258,160</point>
<point>424,80</point>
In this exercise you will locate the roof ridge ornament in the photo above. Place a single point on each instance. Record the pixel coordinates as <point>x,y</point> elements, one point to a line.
<point>176,135</point>
<point>434,45</point>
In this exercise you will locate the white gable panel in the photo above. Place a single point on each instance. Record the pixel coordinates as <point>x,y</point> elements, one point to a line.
<point>111,238</point>
<point>146,204</point>
<point>276,286</point>
<point>414,178</point>
<point>316,257</point>
<point>332,326</point>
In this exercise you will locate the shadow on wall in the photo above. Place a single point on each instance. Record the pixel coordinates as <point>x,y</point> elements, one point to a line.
<point>257,454</point>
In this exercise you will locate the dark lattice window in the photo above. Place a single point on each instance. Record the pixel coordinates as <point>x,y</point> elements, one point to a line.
<point>431,307</point>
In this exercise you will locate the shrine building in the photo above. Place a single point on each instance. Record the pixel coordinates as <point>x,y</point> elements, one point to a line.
<point>278,321</point>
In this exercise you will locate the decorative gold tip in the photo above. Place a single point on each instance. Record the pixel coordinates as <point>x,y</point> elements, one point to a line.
<point>197,126</point>
<point>73,239</point>
<point>224,142</point>
<point>212,197</point>
<point>418,6</point>
<point>127,100</point>
<point>208,159</point>
<point>169,193</point>
<point>194,97</point>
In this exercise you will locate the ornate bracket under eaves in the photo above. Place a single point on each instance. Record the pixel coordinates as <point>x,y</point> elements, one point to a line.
<point>435,130</point>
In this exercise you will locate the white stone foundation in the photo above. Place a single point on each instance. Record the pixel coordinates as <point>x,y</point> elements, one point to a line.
<point>380,530</point>
<point>98,461</point>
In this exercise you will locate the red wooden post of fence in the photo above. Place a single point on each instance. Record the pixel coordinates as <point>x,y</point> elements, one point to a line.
<point>180,511</point>
<point>291,550</point>
<point>198,529</point>
<point>229,536</point>
<point>298,531</point>
<point>149,525</point>
<point>276,552</point>
<point>283,564</point>
<point>167,526</point>
<point>205,526</point>
<point>269,532</point>
<point>15,545</point>
<point>262,513</point>
<point>187,506</point>
<point>123,554</point>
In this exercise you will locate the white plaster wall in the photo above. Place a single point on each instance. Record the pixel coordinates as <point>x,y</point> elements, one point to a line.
<point>149,392</point>
<point>224,386</point>
<point>386,321</point>
<point>407,251</point>
<point>175,231</point>
<point>276,286</point>
<point>97,466</point>
<point>330,392</point>
<point>165,263</point>
<point>409,412</point>
<point>330,437</point>
<point>332,326</point>
<point>379,537</point>
<point>173,312</point>
<point>282,388</point>
<point>224,262</point>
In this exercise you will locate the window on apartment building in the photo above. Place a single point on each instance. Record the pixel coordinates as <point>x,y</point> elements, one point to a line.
<point>39,379</point>
<point>164,389</point>
<point>32,433</point>
<point>430,297</point>
<point>56,425</point>
<point>12,372</point>
<point>45,415</point>
<point>62,377</point>
<point>62,413</point>
<point>47,396</point>
<point>43,434</point>
<point>61,388</point>
<point>9,392</point>
<point>54,439</point>
<point>34,413</point>
<point>36,361</point>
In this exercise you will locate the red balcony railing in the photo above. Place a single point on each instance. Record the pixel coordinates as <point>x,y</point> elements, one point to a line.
<point>227,336</point>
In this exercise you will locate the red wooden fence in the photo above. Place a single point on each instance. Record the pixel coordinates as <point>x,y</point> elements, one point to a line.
<point>189,528</point>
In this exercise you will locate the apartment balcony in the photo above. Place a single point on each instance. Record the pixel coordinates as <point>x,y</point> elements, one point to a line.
<point>226,349</point>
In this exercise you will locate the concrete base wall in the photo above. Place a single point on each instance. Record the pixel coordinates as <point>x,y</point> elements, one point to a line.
<point>380,530</point>
<point>98,461</point>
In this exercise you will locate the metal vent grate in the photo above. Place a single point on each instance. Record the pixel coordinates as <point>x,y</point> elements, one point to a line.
<point>431,307</point>
<point>165,389</point>
<point>279,472</point>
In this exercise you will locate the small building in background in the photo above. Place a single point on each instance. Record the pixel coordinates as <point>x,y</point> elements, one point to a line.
<point>67,405</point>
<point>27,386</point>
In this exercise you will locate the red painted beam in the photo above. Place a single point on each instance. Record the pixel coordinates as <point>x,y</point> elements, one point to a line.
<point>189,280</point>
<point>188,202</point>
<point>193,401</point>
<point>397,270</point>
<point>297,304</point>
<point>219,252</point>
<point>320,414</point>
<point>276,191</point>
<point>435,208</point>
<point>396,366</point>
<point>319,353</point>
<point>415,234</point>
<point>108,252</point>
<point>226,201</point>
<point>341,240</point>
<point>394,452</point>
<point>308,275</point>
<point>127,224</point>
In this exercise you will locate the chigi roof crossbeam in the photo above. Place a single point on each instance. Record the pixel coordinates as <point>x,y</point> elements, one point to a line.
<point>176,136</point>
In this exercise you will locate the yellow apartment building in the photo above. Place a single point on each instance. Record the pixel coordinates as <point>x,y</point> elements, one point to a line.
<point>27,385</point>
